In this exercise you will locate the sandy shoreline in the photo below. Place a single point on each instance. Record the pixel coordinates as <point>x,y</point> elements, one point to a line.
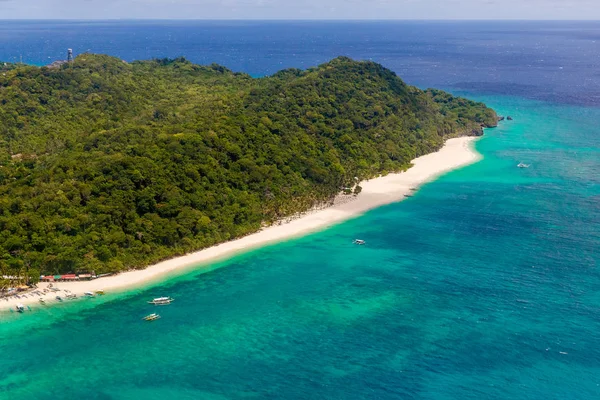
<point>376,192</point>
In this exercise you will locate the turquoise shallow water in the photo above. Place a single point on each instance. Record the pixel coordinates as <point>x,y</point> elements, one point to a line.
<point>482,286</point>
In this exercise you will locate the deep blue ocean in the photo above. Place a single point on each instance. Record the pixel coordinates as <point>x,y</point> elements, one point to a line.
<point>484,285</point>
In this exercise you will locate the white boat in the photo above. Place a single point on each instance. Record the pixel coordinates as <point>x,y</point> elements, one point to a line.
<point>20,308</point>
<point>151,317</point>
<point>359,242</point>
<point>521,165</point>
<point>71,296</point>
<point>89,294</point>
<point>159,301</point>
<point>42,301</point>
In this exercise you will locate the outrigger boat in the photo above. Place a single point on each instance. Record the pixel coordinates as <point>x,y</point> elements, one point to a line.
<point>151,317</point>
<point>42,301</point>
<point>20,308</point>
<point>58,298</point>
<point>522,165</point>
<point>100,292</point>
<point>359,241</point>
<point>71,296</point>
<point>89,294</point>
<point>161,301</point>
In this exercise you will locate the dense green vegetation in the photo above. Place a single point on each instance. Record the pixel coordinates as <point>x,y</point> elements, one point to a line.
<point>106,165</point>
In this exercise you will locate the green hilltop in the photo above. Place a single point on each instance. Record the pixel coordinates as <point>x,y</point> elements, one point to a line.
<point>107,165</point>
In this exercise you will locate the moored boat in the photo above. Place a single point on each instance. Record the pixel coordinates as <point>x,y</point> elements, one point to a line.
<point>522,165</point>
<point>159,301</point>
<point>58,298</point>
<point>359,241</point>
<point>20,308</point>
<point>42,301</point>
<point>99,292</point>
<point>89,294</point>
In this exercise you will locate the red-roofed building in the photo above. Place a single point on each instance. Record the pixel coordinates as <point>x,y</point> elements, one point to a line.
<point>69,277</point>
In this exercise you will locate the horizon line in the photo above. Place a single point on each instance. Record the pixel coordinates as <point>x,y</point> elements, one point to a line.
<point>304,19</point>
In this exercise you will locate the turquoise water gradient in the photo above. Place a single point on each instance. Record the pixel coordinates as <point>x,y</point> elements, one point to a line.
<point>482,286</point>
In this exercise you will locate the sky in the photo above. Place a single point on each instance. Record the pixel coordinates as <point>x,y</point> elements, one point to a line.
<point>300,9</point>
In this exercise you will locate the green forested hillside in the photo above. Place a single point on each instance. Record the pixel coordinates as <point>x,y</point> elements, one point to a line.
<point>106,165</point>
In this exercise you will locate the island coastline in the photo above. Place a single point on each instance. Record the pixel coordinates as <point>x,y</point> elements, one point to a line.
<point>456,153</point>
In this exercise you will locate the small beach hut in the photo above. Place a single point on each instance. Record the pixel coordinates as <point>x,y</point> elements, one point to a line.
<point>48,278</point>
<point>69,277</point>
<point>86,277</point>
<point>57,277</point>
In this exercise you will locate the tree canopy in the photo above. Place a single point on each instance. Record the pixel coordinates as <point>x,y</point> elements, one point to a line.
<point>107,165</point>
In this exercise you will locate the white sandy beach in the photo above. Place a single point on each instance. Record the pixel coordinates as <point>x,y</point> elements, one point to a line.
<point>456,153</point>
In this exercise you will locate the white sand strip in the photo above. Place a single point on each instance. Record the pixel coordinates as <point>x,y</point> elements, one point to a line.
<point>456,153</point>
